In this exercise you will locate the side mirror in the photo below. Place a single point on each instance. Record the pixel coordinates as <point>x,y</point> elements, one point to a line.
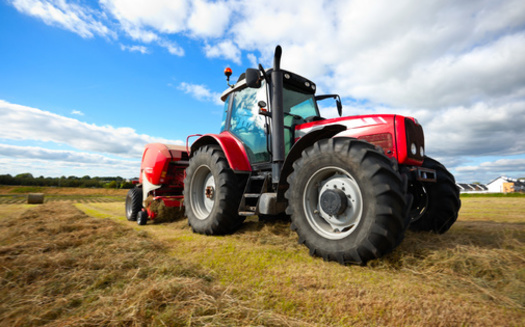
<point>253,78</point>
<point>337,101</point>
<point>339,106</point>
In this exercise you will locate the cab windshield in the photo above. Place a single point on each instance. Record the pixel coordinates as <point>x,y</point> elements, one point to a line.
<point>300,104</point>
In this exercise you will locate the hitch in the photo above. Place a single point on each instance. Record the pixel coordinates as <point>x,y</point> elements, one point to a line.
<point>425,175</point>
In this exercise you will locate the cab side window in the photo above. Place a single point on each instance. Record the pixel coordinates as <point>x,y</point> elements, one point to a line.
<point>248,125</point>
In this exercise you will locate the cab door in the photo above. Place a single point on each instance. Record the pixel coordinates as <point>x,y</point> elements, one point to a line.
<point>248,125</point>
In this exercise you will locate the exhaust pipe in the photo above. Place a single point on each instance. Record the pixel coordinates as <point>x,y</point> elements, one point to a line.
<point>277,117</point>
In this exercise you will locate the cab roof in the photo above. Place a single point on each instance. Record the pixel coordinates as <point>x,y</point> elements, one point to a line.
<point>291,80</point>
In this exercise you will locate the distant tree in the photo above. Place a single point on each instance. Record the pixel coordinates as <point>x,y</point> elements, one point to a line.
<point>7,180</point>
<point>127,185</point>
<point>112,184</point>
<point>25,176</point>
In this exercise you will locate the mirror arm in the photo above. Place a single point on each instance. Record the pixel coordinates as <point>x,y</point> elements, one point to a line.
<point>263,72</point>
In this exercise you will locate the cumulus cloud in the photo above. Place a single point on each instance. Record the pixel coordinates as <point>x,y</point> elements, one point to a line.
<point>225,49</point>
<point>200,92</point>
<point>486,171</point>
<point>53,167</point>
<point>75,18</point>
<point>164,16</point>
<point>505,165</point>
<point>208,19</point>
<point>483,129</point>
<point>26,123</point>
<point>33,152</point>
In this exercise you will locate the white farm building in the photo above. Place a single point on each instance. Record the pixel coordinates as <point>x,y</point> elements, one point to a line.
<point>504,184</point>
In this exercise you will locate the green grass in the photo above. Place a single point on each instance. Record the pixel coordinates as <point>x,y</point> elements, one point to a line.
<point>492,195</point>
<point>27,189</point>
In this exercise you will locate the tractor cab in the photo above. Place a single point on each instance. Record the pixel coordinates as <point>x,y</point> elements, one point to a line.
<point>247,112</point>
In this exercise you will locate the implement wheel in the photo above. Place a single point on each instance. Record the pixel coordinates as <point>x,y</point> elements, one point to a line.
<point>346,201</point>
<point>133,203</point>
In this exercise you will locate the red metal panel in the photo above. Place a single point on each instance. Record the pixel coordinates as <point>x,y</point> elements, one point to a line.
<point>369,127</point>
<point>232,147</point>
<point>156,159</point>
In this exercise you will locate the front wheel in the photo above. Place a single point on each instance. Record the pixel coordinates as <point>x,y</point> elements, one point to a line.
<point>346,201</point>
<point>436,205</point>
<point>211,193</point>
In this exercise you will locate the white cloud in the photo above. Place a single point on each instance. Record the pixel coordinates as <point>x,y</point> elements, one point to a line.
<point>56,168</point>
<point>485,171</point>
<point>33,152</point>
<point>225,49</point>
<point>75,18</point>
<point>164,16</point>
<point>479,130</point>
<point>503,165</point>
<point>77,112</point>
<point>134,48</point>
<point>208,19</point>
<point>172,47</point>
<point>254,62</point>
<point>200,92</point>
<point>25,123</point>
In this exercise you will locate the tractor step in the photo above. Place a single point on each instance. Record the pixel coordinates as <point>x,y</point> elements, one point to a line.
<point>246,213</point>
<point>252,195</point>
<point>255,186</point>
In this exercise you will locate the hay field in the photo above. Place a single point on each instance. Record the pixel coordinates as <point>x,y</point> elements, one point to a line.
<point>18,194</point>
<point>84,264</point>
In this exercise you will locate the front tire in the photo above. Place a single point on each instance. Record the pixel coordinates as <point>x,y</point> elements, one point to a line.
<point>346,201</point>
<point>211,193</point>
<point>438,204</point>
<point>133,203</point>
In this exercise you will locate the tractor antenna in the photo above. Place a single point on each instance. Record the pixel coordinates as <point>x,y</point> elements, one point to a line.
<point>228,73</point>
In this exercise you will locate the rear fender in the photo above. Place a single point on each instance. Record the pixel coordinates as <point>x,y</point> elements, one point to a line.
<point>233,149</point>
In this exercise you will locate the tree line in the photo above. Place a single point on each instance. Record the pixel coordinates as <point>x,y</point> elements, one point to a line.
<point>27,179</point>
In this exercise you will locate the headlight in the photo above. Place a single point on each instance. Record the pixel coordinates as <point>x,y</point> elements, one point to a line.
<point>413,149</point>
<point>422,151</point>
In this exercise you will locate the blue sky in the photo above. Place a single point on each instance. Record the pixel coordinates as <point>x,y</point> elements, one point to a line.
<point>84,85</point>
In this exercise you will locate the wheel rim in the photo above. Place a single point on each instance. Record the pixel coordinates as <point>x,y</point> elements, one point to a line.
<point>203,192</point>
<point>323,220</point>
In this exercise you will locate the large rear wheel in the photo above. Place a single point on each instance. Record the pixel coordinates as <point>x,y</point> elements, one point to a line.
<point>346,201</point>
<point>436,205</point>
<point>211,193</point>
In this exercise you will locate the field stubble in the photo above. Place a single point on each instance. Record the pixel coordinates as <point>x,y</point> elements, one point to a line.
<point>163,273</point>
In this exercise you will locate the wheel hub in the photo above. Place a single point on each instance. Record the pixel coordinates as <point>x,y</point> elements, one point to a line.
<point>209,192</point>
<point>333,202</point>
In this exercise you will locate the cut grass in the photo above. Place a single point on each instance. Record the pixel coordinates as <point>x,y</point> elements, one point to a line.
<point>474,275</point>
<point>62,268</point>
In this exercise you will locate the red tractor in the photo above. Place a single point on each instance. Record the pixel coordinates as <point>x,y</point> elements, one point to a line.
<point>351,185</point>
